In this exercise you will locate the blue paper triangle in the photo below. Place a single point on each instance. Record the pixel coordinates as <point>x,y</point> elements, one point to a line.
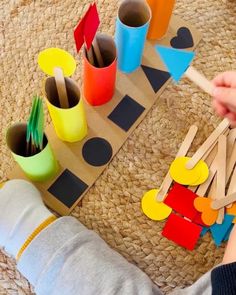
<point>176,61</point>
<point>219,231</point>
<point>156,78</point>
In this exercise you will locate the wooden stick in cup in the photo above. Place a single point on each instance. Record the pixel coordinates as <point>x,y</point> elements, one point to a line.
<point>94,53</point>
<point>97,53</point>
<point>182,152</point>
<point>61,88</point>
<point>208,144</point>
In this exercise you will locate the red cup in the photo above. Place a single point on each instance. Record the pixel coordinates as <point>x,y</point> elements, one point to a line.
<point>99,82</point>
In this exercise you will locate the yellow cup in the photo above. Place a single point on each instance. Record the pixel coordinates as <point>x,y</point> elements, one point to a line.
<point>70,124</point>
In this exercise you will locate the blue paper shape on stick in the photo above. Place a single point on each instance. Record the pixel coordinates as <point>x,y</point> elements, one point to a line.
<point>176,61</point>
<point>219,231</point>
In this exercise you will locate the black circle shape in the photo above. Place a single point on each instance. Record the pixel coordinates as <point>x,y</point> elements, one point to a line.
<point>97,151</point>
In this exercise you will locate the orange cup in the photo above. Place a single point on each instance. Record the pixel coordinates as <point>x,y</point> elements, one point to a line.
<point>99,83</point>
<point>161,14</point>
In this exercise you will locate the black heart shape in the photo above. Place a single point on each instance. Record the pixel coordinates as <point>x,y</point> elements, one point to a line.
<point>183,39</point>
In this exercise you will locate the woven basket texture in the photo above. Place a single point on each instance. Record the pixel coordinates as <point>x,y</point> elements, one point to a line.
<point>112,206</point>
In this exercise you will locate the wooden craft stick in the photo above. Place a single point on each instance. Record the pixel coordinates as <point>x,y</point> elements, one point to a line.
<point>232,186</point>
<point>209,158</point>
<point>219,204</point>
<point>221,174</point>
<point>231,197</point>
<point>231,140</point>
<point>212,152</point>
<point>182,152</point>
<point>199,80</point>
<point>61,88</point>
<point>230,164</point>
<point>97,53</point>
<point>208,144</point>
<point>221,167</point>
<point>202,189</point>
<point>90,55</point>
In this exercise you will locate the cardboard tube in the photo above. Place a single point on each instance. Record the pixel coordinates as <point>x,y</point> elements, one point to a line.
<point>161,14</point>
<point>39,167</point>
<point>99,83</point>
<point>131,30</point>
<point>70,124</point>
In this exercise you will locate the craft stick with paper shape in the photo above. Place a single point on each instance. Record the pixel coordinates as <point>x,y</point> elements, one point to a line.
<point>152,201</point>
<point>211,140</point>
<point>58,63</point>
<point>85,32</point>
<point>182,152</point>
<point>178,64</point>
<point>35,127</point>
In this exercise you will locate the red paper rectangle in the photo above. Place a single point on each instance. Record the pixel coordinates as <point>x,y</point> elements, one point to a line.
<point>181,231</point>
<point>79,34</point>
<point>91,25</point>
<point>181,200</point>
<point>198,220</point>
<point>87,27</point>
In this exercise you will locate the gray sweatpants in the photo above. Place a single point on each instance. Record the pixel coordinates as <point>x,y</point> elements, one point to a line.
<point>68,259</point>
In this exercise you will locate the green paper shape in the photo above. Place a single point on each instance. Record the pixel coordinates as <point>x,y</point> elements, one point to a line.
<point>31,118</point>
<point>35,124</point>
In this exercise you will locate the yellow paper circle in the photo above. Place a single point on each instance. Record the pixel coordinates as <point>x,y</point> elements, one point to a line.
<point>2,184</point>
<point>152,208</point>
<point>182,175</point>
<point>50,58</point>
<point>204,174</point>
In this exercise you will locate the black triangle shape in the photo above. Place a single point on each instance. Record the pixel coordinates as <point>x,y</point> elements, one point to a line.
<point>156,78</point>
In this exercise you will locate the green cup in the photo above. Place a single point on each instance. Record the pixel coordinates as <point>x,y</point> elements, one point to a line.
<point>39,167</point>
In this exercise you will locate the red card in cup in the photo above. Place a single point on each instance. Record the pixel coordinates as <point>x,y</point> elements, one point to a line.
<point>87,27</point>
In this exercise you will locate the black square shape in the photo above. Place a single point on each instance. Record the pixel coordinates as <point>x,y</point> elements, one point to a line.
<point>67,188</point>
<point>126,113</point>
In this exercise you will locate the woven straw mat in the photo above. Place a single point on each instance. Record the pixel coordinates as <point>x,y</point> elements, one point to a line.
<point>112,206</point>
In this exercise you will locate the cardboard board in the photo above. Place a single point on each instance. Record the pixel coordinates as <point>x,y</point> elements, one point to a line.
<point>70,156</point>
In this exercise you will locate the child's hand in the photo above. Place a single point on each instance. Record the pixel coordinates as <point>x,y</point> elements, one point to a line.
<point>224,96</point>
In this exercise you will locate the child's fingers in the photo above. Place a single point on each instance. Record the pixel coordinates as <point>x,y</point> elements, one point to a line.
<point>226,96</point>
<point>232,118</point>
<point>226,79</point>
<point>219,108</point>
<point>233,124</point>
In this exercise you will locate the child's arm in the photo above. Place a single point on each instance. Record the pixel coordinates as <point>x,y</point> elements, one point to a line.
<point>68,259</point>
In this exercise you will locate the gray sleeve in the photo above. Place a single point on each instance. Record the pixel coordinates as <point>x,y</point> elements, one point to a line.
<point>67,259</point>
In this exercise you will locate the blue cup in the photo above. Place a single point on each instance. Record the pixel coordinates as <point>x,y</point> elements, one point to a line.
<point>131,30</point>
